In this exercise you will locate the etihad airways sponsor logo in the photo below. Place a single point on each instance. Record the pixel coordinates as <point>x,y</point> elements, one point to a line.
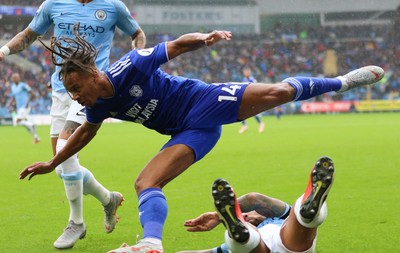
<point>82,29</point>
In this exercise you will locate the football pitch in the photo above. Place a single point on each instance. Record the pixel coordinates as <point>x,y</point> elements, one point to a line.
<point>363,205</point>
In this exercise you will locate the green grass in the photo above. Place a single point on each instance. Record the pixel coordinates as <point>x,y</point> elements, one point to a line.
<point>363,204</point>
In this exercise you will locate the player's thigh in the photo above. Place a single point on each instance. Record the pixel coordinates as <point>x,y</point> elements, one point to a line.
<point>271,235</point>
<point>260,97</point>
<point>200,141</point>
<point>76,113</point>
<point>218,105</point>
<point>164,167</point>
<point>76,116</point>
<point>23,113</point>
<point>181,151</point>
<point>61,103</point>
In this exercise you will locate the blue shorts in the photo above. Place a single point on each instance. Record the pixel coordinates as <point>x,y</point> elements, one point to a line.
<point>201,128</point>
<point>201,141</point>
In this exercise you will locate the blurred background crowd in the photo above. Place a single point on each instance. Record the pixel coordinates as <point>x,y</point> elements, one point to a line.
<point>285,50</point>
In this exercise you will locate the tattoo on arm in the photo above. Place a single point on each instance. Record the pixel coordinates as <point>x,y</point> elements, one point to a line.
<point>262,204</point>
<point>21,41</point>
<point>139,40</point>
<point>70,127</point>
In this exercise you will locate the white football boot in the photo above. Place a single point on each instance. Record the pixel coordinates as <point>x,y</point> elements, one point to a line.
<point>110,211</point>
<point>72,233</point>
<point>361,77</point>
<point>142,247</point>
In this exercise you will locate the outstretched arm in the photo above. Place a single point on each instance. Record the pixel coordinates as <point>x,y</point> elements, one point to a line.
<point>79,139</point>
<point>205,222</point>
<point>192,41</point>
<point>255,207</point>
<point>20,42</point>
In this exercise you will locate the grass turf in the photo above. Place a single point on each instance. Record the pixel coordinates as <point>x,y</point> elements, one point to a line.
<point>363,204</point>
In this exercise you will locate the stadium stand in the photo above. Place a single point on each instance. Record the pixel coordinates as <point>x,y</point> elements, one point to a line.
<point>286,49</point>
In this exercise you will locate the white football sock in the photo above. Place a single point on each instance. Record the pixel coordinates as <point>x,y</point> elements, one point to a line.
<point>245,247</point>
<point>93,187</point>
<point>73,190</point>
<point>318,219</point>
<point>73,184</point>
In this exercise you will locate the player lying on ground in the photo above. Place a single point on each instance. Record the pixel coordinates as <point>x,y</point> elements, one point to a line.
<point>279,228</point>
<point>190,111</point>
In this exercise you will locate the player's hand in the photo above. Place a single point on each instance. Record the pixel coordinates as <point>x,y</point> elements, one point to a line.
<point>253,217</point>
<point>205,222</point>
<point>216,36</point>
<point>36,169</point>
<point>1,56</point>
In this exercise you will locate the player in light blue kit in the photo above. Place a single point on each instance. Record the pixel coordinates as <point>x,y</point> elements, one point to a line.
<point>248,78</point>
<point>191,111</point>
<point>22,94</point>
<point>280,228</point>
<point>98,20</point>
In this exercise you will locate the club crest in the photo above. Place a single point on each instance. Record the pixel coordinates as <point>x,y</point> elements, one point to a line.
<point>101,15</point>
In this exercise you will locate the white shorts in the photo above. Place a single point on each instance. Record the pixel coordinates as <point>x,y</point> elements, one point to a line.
<point>270,234</point>
<point>23,113</point>
<point>63,108</point>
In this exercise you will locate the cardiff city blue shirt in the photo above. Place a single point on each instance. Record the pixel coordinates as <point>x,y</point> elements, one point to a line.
<point>147,95</point>
<point>97,19</point>
<point>249,79</point>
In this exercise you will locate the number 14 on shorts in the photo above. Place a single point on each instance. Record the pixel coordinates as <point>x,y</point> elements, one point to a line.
<point>231,90</point>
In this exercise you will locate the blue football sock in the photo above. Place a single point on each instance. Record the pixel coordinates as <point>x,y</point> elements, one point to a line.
<point>153,212</point>
<point>309,87</point>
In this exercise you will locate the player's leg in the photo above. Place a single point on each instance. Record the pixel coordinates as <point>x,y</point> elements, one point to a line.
<point>79,180</point>
<point>261,97</point>
<point>239,235</point>
<point>153,208</point>
<point>178,154</point>
<point>244,127</point>
<point>72,179</point>
<point>299,231</point>
<point>110,200</point>
<point>261,125</point>
<point>23,119</point>
<point>72,176</point>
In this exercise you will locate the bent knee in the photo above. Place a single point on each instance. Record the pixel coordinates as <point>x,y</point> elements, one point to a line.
<point>284,91</point>
<point>143,183</point>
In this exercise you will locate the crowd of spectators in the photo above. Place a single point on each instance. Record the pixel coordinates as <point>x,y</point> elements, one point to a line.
<point>272,57</point>
<point>22,2</point>
<point>41,102</point>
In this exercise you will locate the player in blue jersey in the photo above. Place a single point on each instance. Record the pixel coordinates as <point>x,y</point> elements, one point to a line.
<point>280,228</point>
<point>191,111</point>
<point>22,94</point>
<point>98,21</point>
<point>248,78</point>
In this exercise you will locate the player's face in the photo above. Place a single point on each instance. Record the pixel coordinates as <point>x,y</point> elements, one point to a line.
<point>81,87</point>
<point>15,78</point>
<point>246,72</point>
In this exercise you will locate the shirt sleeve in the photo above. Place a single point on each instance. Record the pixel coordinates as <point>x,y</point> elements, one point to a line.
<point>125,21</point>
<point>149,59</point>
<point>42,20</point>
<point>27,87</point>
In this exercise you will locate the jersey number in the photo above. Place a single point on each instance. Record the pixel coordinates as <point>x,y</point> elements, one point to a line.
<point>231,90</point>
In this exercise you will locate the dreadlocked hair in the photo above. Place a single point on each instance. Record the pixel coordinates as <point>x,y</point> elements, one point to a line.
<point>76,54</point>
